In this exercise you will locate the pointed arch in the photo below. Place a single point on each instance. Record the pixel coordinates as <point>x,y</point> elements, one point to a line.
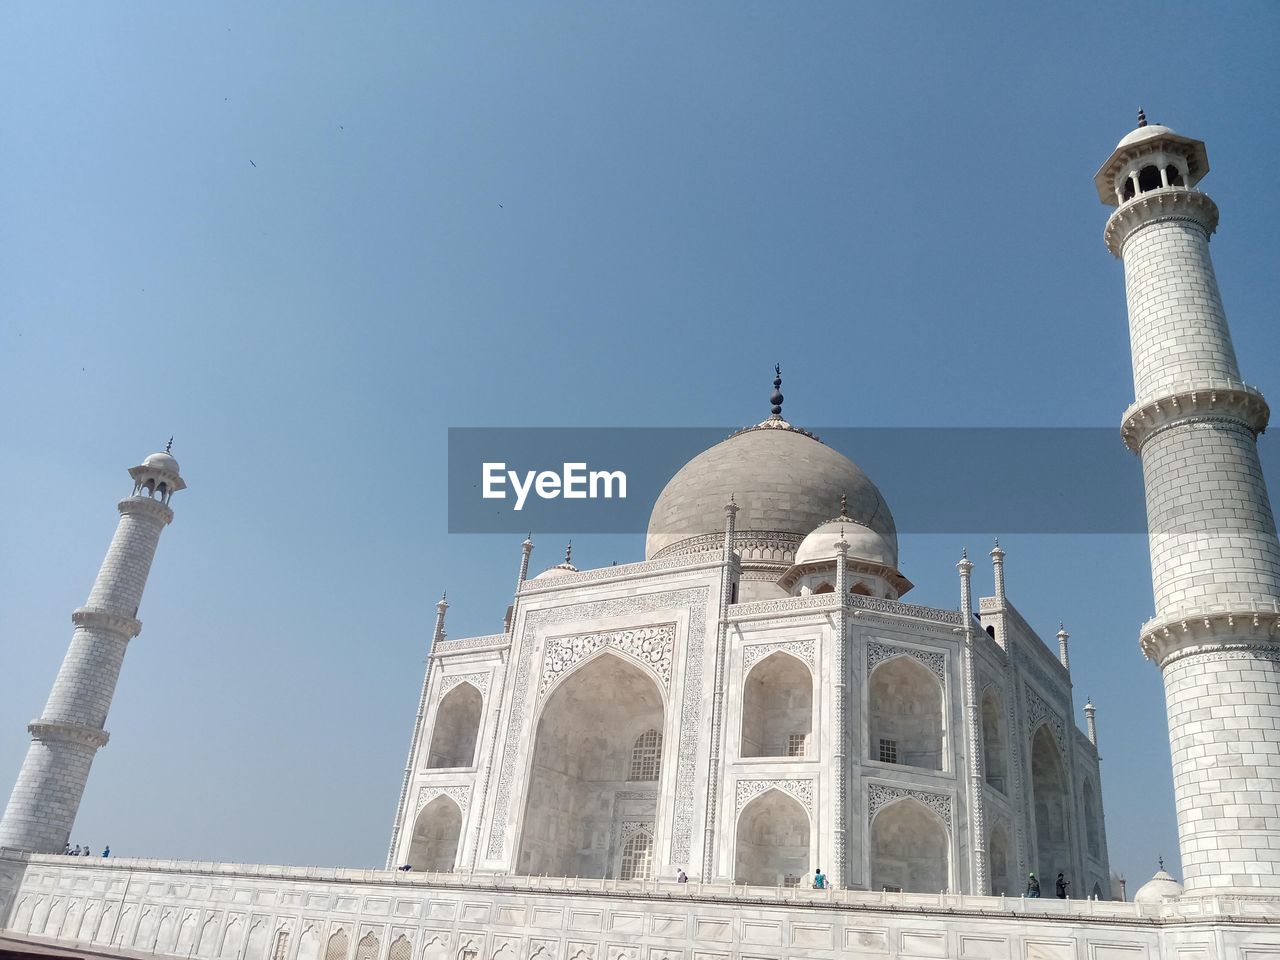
<point>580,761</point>
<point>367,948</point>
<point>437,831</point>
<point>824,587</point>
<point>905,702</point>
<point>186,935</point>
<point>994,748</point>
<point>88,922</point>
<point>456,729</point>
<point>57,914</point>
<point>773,840</point>
<point>71,925</point>
<point>144,936</point>
<point>401,949</point>
<point>40,916</point>
<point>646,756</point>
<point>910,850</point>
<point>230,940</point>
<point>777,707</point>
<point>255,945</point>
<point>1092,819</point>
<point>337,946</point>
<point>1000,865</point>
<point>637,857</point>
<point>1052,806</point>
<point>308,943</point>
<point>208,938</point>
<point>107,922</point>
<point>22,918</point>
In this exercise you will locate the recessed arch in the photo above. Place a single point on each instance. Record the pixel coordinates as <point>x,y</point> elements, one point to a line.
<point>777,707</point>
<point>637,857</point>
<point>994,750</point>
<point>1092,820</point>
<point>1052,807</point>
<point>909,848</point>
<point>22,918</point>
<point>1000,865</point>
<point>905,704</point>
<point>367,948</point>
<point>773,840</point>
<point>337,946</point>
<point>436,832</point>
<point>583,744</point>
<point>457,728</point>
<point>1149,178</point>
<point>825,588</point>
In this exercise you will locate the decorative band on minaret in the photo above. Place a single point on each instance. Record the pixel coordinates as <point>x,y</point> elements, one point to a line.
<point>45,799</point>
<point>1215,558</point>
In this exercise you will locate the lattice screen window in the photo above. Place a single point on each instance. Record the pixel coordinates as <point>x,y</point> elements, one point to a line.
<point>888,751</point>
<point>368,948</point>
<point>469,954</point>
<point>637,858</point>
<point>798,745</point>
<point>400,949</point>
<point>791,880</point>
<point>282,946</point>
<point>646,756</point>
<point>337,948</point>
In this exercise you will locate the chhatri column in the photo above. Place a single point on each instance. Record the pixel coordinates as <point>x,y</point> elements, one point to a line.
<point>69,732</point>
<point>1215,559</point>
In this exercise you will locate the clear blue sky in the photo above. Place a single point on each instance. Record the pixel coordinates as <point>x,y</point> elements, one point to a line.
<point>275,232</point>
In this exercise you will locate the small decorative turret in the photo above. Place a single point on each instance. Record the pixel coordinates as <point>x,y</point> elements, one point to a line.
<point>1091,724</point>
<point>441,606</point>
<point>997,569</point>
<point>1063,655</point>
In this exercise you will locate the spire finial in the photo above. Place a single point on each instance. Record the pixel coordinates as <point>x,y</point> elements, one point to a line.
<point>844,505</point>
<point>776,398</point>
<point>168,447</point>
<point>1142,117</point>
<point>1160,860</point>
<point>568,552</point>
<point>964,553</point>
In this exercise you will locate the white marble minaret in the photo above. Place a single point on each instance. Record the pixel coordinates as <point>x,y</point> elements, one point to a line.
<point>1215,559</point>
<point>69,732</point>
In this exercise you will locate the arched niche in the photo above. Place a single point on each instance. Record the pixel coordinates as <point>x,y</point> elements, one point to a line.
<point>905,707</point>
<point>583,747</point>
<point>336,949</point>
<point>909,849</point>
<point>637,857</point>
<point>994,751</point>
<point>1000,865</point>
<point>777,708</point>
<point>436,832</point>
<point>457,727</point>
<point>772,840</point>
<point>1052,809</point>
<point>1092,819</point>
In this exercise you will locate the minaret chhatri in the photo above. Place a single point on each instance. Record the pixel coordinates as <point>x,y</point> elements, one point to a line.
<point>1215,559</point>
<point>69,732</point>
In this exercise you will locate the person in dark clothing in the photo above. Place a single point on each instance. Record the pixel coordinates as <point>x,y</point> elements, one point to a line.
<point>1033,885</point>
<point>1061,887</point>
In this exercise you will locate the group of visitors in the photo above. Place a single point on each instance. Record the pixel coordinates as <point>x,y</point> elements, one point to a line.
<point>83,851</point>
<point>1060,886</point>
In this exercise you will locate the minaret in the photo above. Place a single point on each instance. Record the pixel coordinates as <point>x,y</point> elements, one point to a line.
<point>64,740</point>
<point>1215,560</point>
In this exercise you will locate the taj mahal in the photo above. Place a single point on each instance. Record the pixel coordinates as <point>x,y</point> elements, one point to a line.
<point>652,760</point>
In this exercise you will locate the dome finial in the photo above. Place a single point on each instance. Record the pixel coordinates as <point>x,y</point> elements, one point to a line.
<point>1142,117</point>
<point>1160,860</point>
<point>568,552</point>
<point>776,398</point>
<point>844,505</point>
<point>168,447</point>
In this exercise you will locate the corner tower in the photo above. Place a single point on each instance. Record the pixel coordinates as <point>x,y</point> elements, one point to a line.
<point>1215,559</point>
<point>69,732</point>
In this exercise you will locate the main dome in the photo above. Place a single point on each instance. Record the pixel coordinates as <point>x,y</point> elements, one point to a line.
<point>785,481</point>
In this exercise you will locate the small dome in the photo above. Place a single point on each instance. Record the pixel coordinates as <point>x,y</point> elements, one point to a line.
<point>1139,134</point>
<point>559,570</point>
<point>864,543</point>
<point>1158,888</point>
<point>161,461</point>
